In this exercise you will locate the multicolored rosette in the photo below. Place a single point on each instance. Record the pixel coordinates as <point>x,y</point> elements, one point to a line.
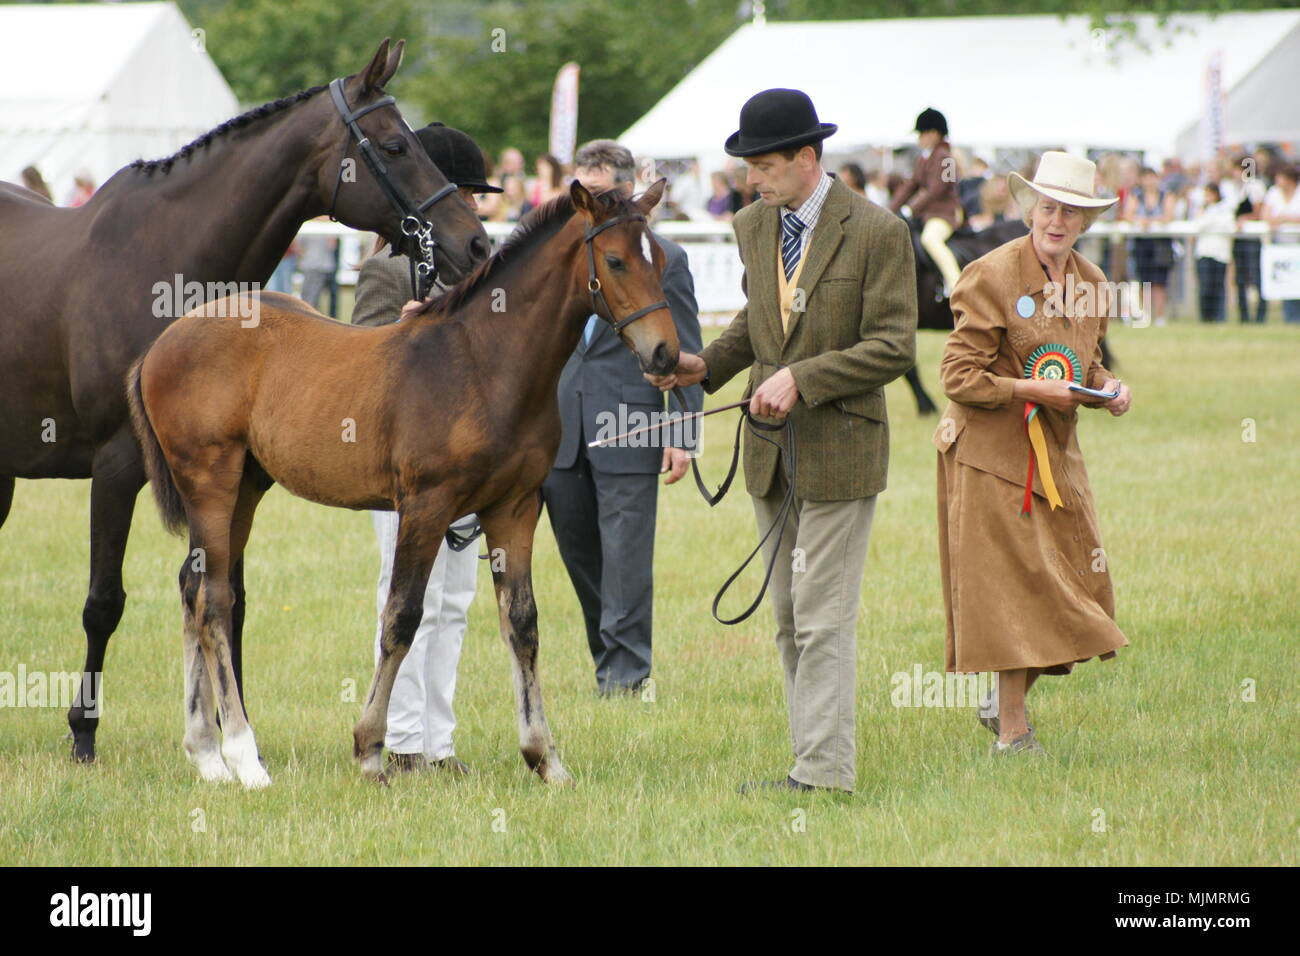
<point>1054,362</point>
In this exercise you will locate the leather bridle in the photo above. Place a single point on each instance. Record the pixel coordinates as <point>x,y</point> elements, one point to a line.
<point>416,229</point>
<point>598,300</point>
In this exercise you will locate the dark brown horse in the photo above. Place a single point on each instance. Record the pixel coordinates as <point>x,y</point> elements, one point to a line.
<point>83,292</point>
<point>441,415</point>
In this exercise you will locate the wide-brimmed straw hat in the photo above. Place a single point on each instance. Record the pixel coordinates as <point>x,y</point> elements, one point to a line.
<point>1068,179</point>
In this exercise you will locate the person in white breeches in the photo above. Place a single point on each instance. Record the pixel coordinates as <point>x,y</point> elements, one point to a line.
<point>420,714</point>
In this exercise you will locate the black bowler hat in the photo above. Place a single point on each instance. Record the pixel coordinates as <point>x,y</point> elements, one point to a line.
<point>775,120</point>
<point>931,118</point>
<point>458,156</point>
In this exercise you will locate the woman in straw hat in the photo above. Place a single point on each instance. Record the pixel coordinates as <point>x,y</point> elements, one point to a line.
<point>1025,580</point>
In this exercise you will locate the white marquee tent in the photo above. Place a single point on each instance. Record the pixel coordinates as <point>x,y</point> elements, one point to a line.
<point>1003,82</point>
<point>95,86</point>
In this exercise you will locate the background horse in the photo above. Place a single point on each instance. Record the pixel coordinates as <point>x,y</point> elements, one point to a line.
<point>79,297</point>
<point>438,416</point>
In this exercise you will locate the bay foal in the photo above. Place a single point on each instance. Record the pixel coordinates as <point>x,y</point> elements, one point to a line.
<point>448,413</point>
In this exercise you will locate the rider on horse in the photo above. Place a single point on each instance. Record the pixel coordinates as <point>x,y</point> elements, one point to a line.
<point>932,194</point>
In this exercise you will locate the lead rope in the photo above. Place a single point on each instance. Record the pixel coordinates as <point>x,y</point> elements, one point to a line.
<point>788,457</point>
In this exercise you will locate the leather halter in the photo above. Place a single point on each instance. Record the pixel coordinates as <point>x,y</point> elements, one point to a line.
<point>414,226</point>
<point>598,299</point>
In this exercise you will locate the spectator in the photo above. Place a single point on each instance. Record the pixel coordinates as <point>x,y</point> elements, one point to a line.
<point>854,178</point>
<point>1282,207</point>
<point>724,200</point>
<point>318,263</point>
<point>878,188</point>
<point>83,187</point>
<point>1246,192</point>
<point>549,182</point>
<point>970,189</point>
<point>33,180</point>
<point>1149,206</point>
<point>1213,252</point>
<point>282,278</point>
<point>686,196</point>
<point>513,204</point>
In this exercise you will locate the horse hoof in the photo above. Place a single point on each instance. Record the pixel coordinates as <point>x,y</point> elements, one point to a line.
<point>255,779</point>
<point>83,751</point>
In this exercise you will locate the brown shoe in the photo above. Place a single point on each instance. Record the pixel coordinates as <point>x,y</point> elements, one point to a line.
<point>452,765</point>
<point>406,763</point>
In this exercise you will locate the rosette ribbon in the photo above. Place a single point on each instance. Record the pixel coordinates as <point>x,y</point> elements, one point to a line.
<point>1055,362</point>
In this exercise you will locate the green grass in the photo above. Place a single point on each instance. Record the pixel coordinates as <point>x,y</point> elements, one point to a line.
<point>1198,524</point>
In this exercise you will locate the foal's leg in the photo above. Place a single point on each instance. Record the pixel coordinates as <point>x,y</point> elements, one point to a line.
<point>202,738</point>
<point>420,531</point>
<point>212,494</point>
<point>509,529</point>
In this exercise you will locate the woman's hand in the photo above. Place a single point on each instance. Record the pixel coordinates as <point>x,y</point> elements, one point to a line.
<point>1120,403</point>
<point>1052,392</point>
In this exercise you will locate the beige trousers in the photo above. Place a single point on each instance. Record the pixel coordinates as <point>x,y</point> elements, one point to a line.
<point>816,583</point>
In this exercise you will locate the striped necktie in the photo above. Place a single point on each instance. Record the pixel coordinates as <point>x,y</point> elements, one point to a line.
<point>792,228</point>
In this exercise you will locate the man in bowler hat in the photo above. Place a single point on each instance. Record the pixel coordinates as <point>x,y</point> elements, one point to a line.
<point>830,319</point>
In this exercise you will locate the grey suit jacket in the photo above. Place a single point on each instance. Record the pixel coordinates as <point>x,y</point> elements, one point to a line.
<point>602,375</point>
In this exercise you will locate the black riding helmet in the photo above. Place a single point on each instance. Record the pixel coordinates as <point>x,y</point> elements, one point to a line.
<point>457,155</point>
<point>931,118</point>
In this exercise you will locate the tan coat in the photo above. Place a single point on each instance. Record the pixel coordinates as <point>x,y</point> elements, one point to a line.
<point>1019,591</point>
<point>856,334</point>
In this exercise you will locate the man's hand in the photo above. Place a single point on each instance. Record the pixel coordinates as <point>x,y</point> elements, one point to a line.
<point>675,464</point>
<point>412,307</point>
<point>1120,404</point>
<point>690,370</point>
<point>775,397</point>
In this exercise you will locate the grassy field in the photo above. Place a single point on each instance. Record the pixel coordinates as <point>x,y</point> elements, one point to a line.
<point>1155,757</point>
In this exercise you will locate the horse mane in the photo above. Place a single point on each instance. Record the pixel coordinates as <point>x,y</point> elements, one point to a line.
<point>538,225</point>
<point>238,122</point>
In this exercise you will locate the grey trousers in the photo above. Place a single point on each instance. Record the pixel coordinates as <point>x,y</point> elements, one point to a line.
<point>604,525</point>
<point>816,583</point>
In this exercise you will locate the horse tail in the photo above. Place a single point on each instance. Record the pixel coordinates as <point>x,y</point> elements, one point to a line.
<point>170,504</point>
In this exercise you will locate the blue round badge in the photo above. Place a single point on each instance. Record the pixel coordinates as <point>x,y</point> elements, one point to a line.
<point>1025,307</point>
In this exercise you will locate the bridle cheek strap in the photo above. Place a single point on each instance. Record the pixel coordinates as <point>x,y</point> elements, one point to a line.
<point>598,300</point>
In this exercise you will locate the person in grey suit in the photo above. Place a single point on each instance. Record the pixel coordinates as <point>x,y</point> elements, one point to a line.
<point>602,501</point>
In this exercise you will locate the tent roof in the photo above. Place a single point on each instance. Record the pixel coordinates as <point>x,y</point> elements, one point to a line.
<point>98,85</point>
<point>1017,82</point>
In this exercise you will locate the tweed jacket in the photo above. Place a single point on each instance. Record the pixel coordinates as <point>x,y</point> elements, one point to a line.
<point>855,334</point>
<point>383,287</point>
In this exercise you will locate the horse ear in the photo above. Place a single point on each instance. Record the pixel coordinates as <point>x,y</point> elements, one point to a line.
<point>650,198</point>
<point>584,201</point>
<point>375,74</point>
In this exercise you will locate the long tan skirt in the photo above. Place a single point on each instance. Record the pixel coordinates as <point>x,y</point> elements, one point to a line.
<point>1021,591</point>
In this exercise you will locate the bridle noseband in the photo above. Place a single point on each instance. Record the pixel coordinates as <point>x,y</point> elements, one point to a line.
<point>415,228</point>
<point>598,300</point>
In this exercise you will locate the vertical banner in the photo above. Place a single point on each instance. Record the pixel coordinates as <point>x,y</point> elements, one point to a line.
<point>1212,124</point>
<point>564,113</point>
